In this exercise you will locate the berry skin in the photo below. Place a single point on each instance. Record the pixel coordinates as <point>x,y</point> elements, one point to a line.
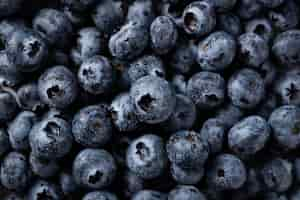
<point>249,136</point>
<point>34,51</point>
<point>108,16</point>
<point>229,115</point>
<point>224,5</point>
<point>271,3</point>
<point>187,150</point>
<point>90,42</point>
<point>246,88</point>
<point>284,122</point>
<point>54,26</point>
<point>199,18</point>
<point>226,172</point>
<point>261,27</point>
<point>94,168</point>
<point>216,52</point>
<point>153,99</point>
<point>129,42</point>
<point>51,138</point>
<point>79,6</point>
<point>186,176</point>
<point>183,116</point>
<point>179,83</point>
<point>8,107</point>
<point>91,126</point>
<point>285,17</point>
<point>67,183</point>
<point>248,9</point>
<point>57,87</point>
<point>29,97</point>
<point>163,34</point>
<point>286,48</point>
<point>98,195</point>
<point>19,129</point>
<point>141,12</point>
<point>206,89</point>
<point>146,156</point>
<point>4,142</point>
<point>9,73</point>
<point>230,23</point>
<point>184,192</point>
<point>122,113</point>
<point>96,75</point>
<point>43,190</point>
<point>149,195</point>
<point>253,50</point>
<point>10,7</point>
<point>213,131</point>
<point>277,175</point>
<point>43,167</point>
<point>131,184</point>
<point>144,66</point>
<point>287,88</point>
<point>15,172</point>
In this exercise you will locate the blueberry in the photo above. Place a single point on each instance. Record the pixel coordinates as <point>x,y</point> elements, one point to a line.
<point>163,34</point>
<point>122,113</point>
<point>91,126</point>
<point>261,27</point>
<point>206,89</point>
<point>149,195</point>
<point>179,84</point>
<point>286,48</point>
<point>183,57</point>
<point>216,52</point>
<point>54,26</point>
<point>268,72</point>
<point>229,115</point>
<point>98,195</point>
<point>59,57</point>
<point>284,121</point>
<point>131,183</point>
<point>10,7</point>
<point>9,73</point>
<point>199,18</point>
<point>15,171</point>
<point>186,176</point>
<point>246,88</point>
<point>33,53</point>
<point>51,138</point>
<point>8,107</point>
<point>248,9</point>
<point>145,65</point>
<point>141,12</point>
<point>4,141</point>
<point>271,3</point>
<point>67,183</point>
<point>213,131</point>
<point>153,99</point>
<point>187,149</point>
<point>297,169</point>
<point>108,16</point>
<point>43,190</point>
<point>229,23</point>
<point>295,195</point>
<point>146,156</point>
<point>57,87</point>
<point>29,97</point>
<point>43,167</point>
<point>90,42</point>
<point>285,17</point>
<point>8,27</point>
<point>78,19</point>
<point>226,172</point>
<point>183,116</point>
<point>249,136</point>
<point>275,196</point>
<point>184,192</point>
<point>119,148</point>
<point>79,6</point>
<point>129,42</point>
<point>19,129</point>
<point>253,50</point>
<point>287,88</point>
<point>224,5</point>
<point>13,196</point>
<point>277,175</point>
<point>96,75</point>
<point>267,106</point>
<point>94,168</point>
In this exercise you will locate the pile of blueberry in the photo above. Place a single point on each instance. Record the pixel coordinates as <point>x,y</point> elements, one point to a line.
<point>149,99</point>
